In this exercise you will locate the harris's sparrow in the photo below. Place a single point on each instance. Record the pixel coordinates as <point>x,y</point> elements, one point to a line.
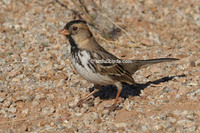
<point>97,65</point>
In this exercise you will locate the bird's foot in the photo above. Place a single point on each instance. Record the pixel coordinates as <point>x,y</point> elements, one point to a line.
<point>80,102</point>
<point>111,108</point>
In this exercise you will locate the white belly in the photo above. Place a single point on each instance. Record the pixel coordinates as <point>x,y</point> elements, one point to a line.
<point>87,73</point>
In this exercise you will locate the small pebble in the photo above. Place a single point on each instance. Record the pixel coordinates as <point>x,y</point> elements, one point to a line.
<point>12,110</point>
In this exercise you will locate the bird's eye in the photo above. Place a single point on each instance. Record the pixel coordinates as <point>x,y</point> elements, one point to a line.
<point>75,28</point>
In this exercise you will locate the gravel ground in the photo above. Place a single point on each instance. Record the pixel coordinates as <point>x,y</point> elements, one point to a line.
<point>38,85</point>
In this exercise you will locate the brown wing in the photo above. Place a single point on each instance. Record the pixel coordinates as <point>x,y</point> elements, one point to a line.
<point>108,64</point>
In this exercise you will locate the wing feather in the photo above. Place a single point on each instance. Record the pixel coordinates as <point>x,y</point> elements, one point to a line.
<point>114,70</point>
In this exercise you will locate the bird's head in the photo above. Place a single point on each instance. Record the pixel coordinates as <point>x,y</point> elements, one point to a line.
<point>76,30</point>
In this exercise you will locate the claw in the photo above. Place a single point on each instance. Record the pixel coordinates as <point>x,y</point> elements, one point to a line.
<point>111,108</point>
<point>79,103</point>
<point>84,99</point>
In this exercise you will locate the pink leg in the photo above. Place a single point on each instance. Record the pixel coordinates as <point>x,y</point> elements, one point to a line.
<point>119,88</point>
<point>96,87</point>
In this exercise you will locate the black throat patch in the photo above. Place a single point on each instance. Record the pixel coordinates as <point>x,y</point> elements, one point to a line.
<point>76,53</point>
<point>72,42</point>
<point>74,50</point>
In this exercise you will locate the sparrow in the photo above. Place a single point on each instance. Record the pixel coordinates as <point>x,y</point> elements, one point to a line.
<point>96,65</point>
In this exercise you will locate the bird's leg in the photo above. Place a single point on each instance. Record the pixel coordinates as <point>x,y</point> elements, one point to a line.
<point>135,84</point>
<point>80,102</point>
<point>119,90</point>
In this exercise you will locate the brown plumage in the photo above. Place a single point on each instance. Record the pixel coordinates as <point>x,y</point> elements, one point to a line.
<point>95,64</point>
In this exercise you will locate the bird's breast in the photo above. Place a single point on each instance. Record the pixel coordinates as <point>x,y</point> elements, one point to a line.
<point>86,68</point>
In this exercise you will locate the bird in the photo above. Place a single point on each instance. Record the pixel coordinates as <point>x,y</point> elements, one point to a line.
<point>98,66</point>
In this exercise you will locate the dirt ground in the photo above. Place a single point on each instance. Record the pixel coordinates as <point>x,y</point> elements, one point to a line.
<point>38,85</point>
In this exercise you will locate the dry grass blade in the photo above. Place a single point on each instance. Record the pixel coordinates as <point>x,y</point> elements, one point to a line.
<point>106,16</point>
<point>135,44</point>
<point>108,41</point>
<point>156,85</point>
<point>12,121</point>
<point>74,12</point>
<point>82,9</point>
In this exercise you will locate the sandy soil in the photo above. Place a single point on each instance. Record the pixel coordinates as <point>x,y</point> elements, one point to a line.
<point>38,85</point>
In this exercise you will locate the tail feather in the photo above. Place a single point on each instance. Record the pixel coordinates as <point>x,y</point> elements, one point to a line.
<point>154,61</point>
<point>137,64</point>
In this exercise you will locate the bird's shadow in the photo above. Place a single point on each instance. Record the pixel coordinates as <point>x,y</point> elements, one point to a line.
<point>110,91</point>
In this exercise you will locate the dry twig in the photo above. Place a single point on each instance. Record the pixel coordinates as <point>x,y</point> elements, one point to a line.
<point>105,15</point>
<point>12,121</point>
